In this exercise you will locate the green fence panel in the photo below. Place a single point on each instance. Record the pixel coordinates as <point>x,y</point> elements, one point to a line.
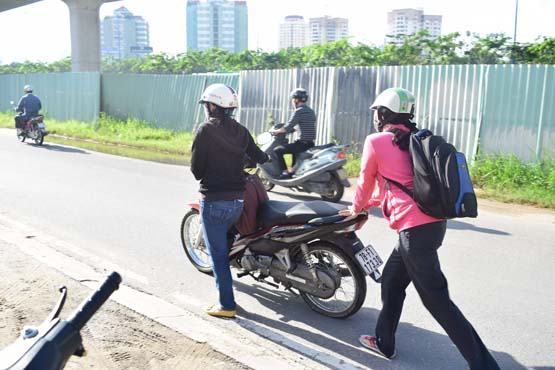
<point>166,101</point>
<point>518,116</point>
<point>64,96</point>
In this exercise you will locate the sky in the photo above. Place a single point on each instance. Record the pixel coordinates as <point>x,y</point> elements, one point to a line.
<point>40,31</point>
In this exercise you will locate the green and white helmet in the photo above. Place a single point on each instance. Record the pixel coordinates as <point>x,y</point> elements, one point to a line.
<point>395,99</point>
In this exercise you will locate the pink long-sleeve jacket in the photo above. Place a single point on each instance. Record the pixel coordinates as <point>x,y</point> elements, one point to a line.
<point>381,158</point>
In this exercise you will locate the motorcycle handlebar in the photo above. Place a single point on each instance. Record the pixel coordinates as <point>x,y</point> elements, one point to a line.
<point>87,309</point>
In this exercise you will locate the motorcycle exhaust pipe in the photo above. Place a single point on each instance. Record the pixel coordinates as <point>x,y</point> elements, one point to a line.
<point>302,279</point>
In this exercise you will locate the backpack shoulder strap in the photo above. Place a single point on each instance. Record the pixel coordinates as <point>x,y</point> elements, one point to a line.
<point>399,185</point>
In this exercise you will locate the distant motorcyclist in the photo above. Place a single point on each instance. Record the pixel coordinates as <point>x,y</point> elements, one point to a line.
<point>303,117</point>
<point>28,107</point>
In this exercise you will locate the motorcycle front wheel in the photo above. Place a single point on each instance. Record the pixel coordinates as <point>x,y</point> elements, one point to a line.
<point>351,291</point>
<point>191,231</point>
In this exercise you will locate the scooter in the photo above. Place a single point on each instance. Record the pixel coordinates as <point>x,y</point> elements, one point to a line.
<point>317,170</point>
<point>34,129</point>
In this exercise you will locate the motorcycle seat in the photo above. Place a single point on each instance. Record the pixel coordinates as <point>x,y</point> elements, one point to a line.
<point>273,212</point>
<point>37,119</point>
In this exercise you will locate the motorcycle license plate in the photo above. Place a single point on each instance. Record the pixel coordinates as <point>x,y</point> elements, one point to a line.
<point>40,125</point>
<point>369,259</point>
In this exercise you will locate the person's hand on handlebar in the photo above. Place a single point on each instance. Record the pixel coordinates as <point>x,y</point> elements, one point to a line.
<point>277,131</point>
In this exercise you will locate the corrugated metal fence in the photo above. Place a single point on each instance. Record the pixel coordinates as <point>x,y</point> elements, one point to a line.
<point>494,108</point>
<point>64,96</point>
<point>168,101</point>
<point>491,108</point>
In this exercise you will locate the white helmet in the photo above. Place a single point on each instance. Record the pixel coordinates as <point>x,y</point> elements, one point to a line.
<point>221,95</point>
<point>27,88</point>
<point>395,99</point>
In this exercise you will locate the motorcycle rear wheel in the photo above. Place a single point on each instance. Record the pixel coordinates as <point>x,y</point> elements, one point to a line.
<point>199,256</point>
<point>21,136</point>
<point>40,138</point>
<point>342,304</point>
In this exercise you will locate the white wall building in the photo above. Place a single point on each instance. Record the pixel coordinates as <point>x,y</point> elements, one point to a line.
<point>404,22</point>
<point>292,32</point>
<point>327,29</point>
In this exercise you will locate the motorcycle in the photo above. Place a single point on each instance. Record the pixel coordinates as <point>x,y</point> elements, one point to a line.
<point>34,129</point>
<point>307,248</point>
<point>50,345</point>
<point>317,170</point>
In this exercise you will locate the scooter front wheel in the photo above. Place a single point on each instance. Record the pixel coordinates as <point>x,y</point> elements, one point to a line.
<point>193,242</point>
<point>268,186</point>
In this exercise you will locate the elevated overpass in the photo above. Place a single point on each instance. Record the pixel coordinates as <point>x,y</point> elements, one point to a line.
<point>85,30</point>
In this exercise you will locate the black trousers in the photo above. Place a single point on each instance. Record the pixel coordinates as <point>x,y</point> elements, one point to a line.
<point>415,260</point>
<point>296,147</point>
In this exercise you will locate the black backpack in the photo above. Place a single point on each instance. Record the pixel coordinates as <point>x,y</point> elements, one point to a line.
<point>442,184</point>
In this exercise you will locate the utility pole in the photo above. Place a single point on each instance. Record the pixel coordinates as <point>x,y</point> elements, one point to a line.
<point>514,34</point>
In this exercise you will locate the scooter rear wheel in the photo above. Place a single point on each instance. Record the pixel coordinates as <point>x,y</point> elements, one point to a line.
<point>336,190</point>
<point>350,294</point>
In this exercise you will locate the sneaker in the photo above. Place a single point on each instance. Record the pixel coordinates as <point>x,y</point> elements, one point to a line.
<point>371,343</point>
<point>218,311</point>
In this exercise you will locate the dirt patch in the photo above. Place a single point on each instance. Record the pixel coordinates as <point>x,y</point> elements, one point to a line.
<point>115,338</point>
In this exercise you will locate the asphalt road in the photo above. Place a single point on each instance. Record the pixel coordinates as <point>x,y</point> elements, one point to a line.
<point>127,213</point>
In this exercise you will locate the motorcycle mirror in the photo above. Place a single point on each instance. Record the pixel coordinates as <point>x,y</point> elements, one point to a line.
<point>264,138</point>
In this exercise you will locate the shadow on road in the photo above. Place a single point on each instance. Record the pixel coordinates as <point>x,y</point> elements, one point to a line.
<point>59,148</point>
<point>460,225</point>
<point>416,348</point>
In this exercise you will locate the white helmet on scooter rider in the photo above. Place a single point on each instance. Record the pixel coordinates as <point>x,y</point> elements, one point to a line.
<point>27,89</point>
<point>221,95</point>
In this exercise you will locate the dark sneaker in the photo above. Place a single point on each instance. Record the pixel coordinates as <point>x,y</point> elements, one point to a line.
<point>371,343</point>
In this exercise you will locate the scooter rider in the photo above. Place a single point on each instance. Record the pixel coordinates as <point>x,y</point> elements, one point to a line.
<point>28,107</point>
<point>303,117</point>
<point>218,155</point>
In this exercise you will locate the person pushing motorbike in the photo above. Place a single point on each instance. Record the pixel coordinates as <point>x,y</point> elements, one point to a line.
<point>303,117</point>
<point>28,107</point>
<point>218,156</point>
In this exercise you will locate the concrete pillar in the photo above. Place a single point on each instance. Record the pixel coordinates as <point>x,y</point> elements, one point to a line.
<point>85,34</point>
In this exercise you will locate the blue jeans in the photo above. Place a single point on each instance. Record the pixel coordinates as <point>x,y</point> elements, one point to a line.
<point>217,218</point>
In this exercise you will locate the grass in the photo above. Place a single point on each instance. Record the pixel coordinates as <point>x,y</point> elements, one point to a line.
<point>507,179</point>
<point>107,133</point>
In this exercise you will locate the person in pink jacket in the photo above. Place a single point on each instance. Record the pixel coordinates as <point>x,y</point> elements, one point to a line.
<point>414,258</point>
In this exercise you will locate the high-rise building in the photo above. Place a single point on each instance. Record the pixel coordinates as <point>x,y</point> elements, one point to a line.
<point>327,29</point>
<point>124,35</point>
<point>404,22</point>
<point>292,32</point>
<point>221,24</point>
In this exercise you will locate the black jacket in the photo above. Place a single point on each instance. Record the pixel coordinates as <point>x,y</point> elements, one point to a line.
<point>219,152</point>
